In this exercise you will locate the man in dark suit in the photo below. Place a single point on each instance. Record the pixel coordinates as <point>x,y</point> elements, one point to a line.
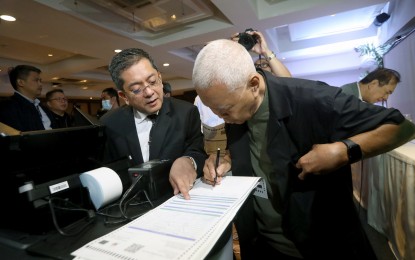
<point>57,103</point>
<point>300,136</point>
<point>23,110</point>
<point>133,131</point>
<point>375,87</point>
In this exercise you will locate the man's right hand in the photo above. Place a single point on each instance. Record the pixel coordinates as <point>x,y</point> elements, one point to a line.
<point>209,168</point>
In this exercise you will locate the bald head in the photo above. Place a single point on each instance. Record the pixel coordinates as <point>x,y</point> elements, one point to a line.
<point>225,62</point>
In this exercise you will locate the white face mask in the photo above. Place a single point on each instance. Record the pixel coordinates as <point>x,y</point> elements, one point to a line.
<point>106,104</point>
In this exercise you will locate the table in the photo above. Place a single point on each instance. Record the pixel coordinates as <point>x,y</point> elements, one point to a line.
<point>385,186</point>
<point>55,246</point>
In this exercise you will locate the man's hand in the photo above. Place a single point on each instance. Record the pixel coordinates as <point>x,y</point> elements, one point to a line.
<point>261,47</point>
<point>182,176</point>
<point>235,37</point>
<point>209,168</point>
<point>322,158</point>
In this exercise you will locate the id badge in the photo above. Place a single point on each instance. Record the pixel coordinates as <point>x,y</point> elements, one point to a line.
<point>261,189</point>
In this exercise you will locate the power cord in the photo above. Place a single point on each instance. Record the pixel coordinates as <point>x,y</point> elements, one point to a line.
<point>90,215</point>
<point>124,203</point>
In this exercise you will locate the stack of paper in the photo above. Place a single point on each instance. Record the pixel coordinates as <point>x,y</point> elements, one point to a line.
<point>178,228</point>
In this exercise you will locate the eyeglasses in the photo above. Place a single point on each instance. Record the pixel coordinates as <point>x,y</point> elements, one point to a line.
<point>151,84</point>
<point>261,65</point>
<point>60,99</point>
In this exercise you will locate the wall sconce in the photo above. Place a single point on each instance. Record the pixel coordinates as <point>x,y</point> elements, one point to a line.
<point>381,18</point>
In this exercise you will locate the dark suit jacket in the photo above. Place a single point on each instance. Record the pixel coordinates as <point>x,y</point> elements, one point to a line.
<point>21,114</point>
<point>60,121</point>
<point>351,89</point>
<point>175,133</point>
<point>319,215</point>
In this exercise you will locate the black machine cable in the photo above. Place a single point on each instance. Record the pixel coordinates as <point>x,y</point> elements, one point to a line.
<point>124,203</point>
<point>90,215</point>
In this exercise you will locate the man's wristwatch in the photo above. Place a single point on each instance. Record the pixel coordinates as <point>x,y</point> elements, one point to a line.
<point>353,151</point>
<point>270,56</point>
<point>193,162</point>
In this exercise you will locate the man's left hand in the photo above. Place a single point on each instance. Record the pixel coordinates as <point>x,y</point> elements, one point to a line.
<point>322,158</point>
<point>182,176</point>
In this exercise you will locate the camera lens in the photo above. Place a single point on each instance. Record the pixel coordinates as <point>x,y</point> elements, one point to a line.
<point>247,40</point>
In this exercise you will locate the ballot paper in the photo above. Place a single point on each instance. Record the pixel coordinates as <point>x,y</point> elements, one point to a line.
<point>178,228</point>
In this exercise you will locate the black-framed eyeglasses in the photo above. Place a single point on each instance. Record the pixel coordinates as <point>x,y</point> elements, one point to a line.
<point>60,99</point>
<point>262,65</point>
<point>150,84</point>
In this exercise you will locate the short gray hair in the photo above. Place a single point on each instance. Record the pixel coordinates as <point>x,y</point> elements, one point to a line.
<point>222,62</point>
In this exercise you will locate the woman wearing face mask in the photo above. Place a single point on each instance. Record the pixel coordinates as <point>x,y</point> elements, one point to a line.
<point>109,100</point>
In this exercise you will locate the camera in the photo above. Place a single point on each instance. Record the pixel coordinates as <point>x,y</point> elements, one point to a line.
<point>247,40</point>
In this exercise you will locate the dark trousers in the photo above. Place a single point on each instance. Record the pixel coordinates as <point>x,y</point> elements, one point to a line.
<point>262,250</point>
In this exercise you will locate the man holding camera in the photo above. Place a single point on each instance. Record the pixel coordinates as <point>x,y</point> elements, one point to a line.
<point>267,59</point>
<point>253,41</point>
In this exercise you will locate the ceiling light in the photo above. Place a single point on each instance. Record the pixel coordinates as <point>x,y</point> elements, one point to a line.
<point>173,17</point>
<point>117,50</point>
<point>50,55</point>
<point>349,21</point>
<point>155,22</point>
<point>7,18</point>
<point>166,64</point>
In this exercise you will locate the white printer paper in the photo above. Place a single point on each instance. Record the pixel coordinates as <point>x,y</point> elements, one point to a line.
<point>178,228</point>
<point>104,186</point>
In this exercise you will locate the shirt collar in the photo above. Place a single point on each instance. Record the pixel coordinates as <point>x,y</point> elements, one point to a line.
<point>140,116</point>
<point>36,102</point>
<point>358,89</point>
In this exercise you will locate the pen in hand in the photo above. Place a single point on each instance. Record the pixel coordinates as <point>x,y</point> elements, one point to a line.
<point>216,167</point>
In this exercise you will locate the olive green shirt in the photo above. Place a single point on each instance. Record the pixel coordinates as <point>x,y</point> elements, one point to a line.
<point>268,219</point>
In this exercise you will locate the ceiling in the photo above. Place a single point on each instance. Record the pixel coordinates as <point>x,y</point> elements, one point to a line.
<point>83,34</point>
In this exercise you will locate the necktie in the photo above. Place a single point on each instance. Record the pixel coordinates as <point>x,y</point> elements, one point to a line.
<point>152,117</point>
<point>38,110</point>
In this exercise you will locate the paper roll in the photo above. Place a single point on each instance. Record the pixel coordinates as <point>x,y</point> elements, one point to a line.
<point>104,186</point>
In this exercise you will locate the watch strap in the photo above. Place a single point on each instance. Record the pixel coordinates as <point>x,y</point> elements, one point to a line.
<point>270,56</point>
<point>354,152</point>
<point>193,162</point>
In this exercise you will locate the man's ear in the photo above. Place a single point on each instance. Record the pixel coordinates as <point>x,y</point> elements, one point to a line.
<point>122,95</point>
<point>373,83</point>
<point>20,82</point>
<point>254,83</point>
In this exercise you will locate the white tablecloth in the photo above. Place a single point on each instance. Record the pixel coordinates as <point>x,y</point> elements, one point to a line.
<point>386,189</point>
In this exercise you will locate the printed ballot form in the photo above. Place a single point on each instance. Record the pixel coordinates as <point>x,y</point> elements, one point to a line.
<point>178,228</point>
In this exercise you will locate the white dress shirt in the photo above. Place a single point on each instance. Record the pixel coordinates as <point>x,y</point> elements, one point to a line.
<point>143,126</point>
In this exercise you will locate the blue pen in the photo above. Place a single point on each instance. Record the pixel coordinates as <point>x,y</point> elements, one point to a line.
<point>216,166</point>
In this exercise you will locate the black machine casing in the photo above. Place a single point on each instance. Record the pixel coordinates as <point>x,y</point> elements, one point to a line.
<point>155,177</point>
